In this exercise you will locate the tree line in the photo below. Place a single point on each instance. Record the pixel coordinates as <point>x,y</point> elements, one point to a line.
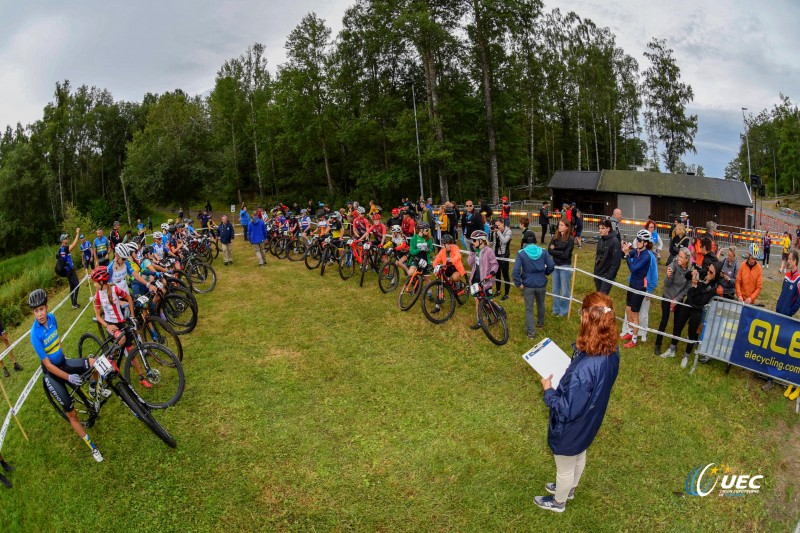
<point>471,97</point>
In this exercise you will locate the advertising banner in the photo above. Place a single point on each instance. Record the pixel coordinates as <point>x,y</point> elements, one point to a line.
<point>768,343</point>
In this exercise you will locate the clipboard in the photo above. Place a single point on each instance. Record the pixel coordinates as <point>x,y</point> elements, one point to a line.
<point>548,358</point>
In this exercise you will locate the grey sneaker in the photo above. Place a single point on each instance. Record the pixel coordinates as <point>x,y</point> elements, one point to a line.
<point>669,353</point>
<point>551,488</point>
<point>684,361</point>
<point>97,455</point>
<point>549,503</point>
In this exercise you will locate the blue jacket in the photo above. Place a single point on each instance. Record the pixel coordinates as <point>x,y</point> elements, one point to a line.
<point>244,217</point>
<point>789,300</point>
<point>652,274</point>
<point>579,404</point>
<point>256,231</point>
<point>225,232</point>
<point>532,266</point>
<point>639,264</point>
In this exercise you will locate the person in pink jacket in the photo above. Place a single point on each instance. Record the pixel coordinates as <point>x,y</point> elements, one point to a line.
<point>484,265</point>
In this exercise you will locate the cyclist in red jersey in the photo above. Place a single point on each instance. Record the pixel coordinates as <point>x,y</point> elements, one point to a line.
<point>360,224</point>
<point>408,224</point>
<point>377,230</point>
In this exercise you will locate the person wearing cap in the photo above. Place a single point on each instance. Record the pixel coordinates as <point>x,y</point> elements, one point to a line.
<point>505,211</point>
<point>87,254</point>
<point>684,219</point>
<point>749,280</point>
<point>65,253</point>
<point>396,219</point>
<point>101,244</point>
<point>115,236</point>
<point>544,219</point>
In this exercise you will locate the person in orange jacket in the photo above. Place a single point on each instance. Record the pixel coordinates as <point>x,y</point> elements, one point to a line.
<point>750,276</point>
<point>449,258</point>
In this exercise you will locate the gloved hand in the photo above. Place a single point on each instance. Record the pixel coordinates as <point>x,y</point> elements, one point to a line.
<point>436,269</point>
<point>75,379</point>
<point>423,246</point>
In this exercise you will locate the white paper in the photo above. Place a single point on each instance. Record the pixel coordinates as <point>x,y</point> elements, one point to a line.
<point>547,358</point>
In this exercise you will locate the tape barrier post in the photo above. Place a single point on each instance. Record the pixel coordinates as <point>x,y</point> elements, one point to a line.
<point>572,285</point>
<point>11,410</point>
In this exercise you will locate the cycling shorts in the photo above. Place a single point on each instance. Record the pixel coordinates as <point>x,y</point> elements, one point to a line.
<point>634,301</point>
<point>449,270</point>
<point>58,387</point>
<point>119,332</point>
<point>415,263</point>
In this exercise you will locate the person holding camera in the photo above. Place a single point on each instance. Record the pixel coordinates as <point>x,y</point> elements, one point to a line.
<point>501,241</point>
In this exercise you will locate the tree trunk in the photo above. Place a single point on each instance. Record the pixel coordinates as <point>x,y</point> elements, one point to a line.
<point>255,150</point>
<point>327,165</point>
<point>433,112</point>
<point>487,97</point>
<point>596,147</point>
<point>124,190</point>
<point>531,174</point>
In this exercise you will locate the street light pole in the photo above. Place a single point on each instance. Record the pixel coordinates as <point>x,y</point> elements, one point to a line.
<point>749,167</point>
<point>775,173</point>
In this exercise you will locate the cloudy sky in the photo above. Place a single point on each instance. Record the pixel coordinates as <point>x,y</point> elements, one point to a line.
<point>734,53</point>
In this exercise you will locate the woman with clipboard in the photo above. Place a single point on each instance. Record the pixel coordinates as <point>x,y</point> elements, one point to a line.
<point>578,405</point>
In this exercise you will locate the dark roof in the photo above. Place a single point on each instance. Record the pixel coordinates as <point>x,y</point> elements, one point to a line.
<point>655,184</point>
<point>575,179</point>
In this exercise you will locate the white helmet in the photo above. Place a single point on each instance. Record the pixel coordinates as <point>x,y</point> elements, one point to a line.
<point>158,235</point>
<point>396,229</point>
<point>644,235</point>
<point>360,210</point>
<point>122,251</point>
<point>165,227</point>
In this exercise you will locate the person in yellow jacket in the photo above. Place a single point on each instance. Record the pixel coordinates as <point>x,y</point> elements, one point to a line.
<point>442,224</point>
<point>786,242</point>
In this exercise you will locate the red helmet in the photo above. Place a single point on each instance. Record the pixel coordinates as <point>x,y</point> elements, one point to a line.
<point>100,274</point>
<point>504,198</point>
<point>395,212</point>
<point>376,216</point>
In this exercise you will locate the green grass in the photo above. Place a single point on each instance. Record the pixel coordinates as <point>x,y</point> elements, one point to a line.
<point>313,404</point>
<point>21,274</point>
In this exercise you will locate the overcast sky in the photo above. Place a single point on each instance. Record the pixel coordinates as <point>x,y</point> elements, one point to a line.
<point>733,53</point>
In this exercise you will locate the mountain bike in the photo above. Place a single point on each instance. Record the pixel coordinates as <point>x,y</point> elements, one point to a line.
<point>158,376</point>
<point>352,255</point>
<point>389,272</point>
<point>313,255</point>
<point>88,405</point>
<point>491,315</point>
<point>409,293</point>
<point>330,254</point>
<point>441,295</point>
<point>295,249</point>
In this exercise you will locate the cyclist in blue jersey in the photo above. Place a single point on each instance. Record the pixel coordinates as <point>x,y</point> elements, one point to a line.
<point>58,370</point>
<point>159,246</point>
<point>305,221</point>
<point>87,253</point>
<point>65,252</point>
<point>139,225</point>
<point>101,248</point>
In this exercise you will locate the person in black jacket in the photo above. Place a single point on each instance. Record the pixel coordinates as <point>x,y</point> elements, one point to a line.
<point>560,249</point>
<point>471,221</point>
<point>544,219</point>
<point>226,237</point>
<point>608,258</point>
<point>680,239</point>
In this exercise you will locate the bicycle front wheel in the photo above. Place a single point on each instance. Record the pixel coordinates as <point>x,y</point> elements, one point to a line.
<point>410,292</point>
<point>203,277</point>
<point>89,345</point>
<point>179,312</point>
<point>159,331</point>
<point>313,257</point>
<point>493,322</point>
<point>438,302</point>
<point>128,397</point>
<point>297,250</point>
<point>155,374</point>
<point>389,277</point>
<point>347,265</point>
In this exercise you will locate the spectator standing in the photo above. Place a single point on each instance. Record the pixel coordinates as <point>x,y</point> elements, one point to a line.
<point>244,220</point>
<point>531,268</point>
<point>616,218</point>
<point>650,284</point>
<point>101,248</point>
<point>527,233</point>
<point>544,219</point>
<point>485,210</point>
<point>578,218</point>
<point>442,224</point>
<point>638,259</point>
<point>150,224</point>
<point>114,237</point>
<point>505,211</point>
<point>65,253</point>
<point>208,206</point>
<point>729,270</point>
<point>87,254</point>
<point>180,213</point>
<point>560,249</point>
<point>786,244</point>
<point>699,255</point>
<point>678,240</point>
<point>578,405</point>
<point>676,284</point>
<point>139,225</point>
<point>788,304</point>
<point>607,259</point>
<point>258,234</point>
<point>471,221</point>
<point>501,243</point>
<point>658,242</point>
<point>766,243</point>
<point>452,218</point>
<point>226,237</point>
<point>749,281</point>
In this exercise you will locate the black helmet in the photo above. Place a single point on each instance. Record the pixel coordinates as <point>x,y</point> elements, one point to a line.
<point>37,298</point>
<point>172,229</point>
<point>423,226</point>
<point>147,250</point>
<point>447,239</point>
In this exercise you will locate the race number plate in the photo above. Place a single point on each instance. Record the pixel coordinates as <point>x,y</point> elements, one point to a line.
<point>349,242</point>
<point>475,288</point>
<point>142,300</point>
<point>366,246</point>
<point>103,366</point>
<point>159,284</point>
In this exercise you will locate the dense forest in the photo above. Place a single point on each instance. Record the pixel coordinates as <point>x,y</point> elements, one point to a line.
<point>473,97</point>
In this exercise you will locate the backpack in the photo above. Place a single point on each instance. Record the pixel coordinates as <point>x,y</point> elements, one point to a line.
<point>61,266</point>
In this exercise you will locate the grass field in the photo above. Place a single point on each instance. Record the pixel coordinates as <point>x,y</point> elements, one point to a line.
<point>312,404</point>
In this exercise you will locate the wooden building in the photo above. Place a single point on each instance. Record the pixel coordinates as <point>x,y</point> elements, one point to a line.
<point>661,196</point>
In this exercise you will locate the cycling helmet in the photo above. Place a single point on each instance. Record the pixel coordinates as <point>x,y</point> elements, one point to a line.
<point>755,250</point>
<point>171,229</point>
<point>37,298</point>
<point>337,215</point>
<point>423,226</point>
<point>179,226</point>
<point>133,246</point>
<point>289,214</point>
<point>360,210</point>
<point>147,250</point>
<point>170,221</point>
<point>376,216</point>
<point>644,235</point>
<point>158,235</point>
<point>164,227</point>
<point>447,239</point>
<point>122,251</point>
<point>100,274</point>
<point>303,211</point>
<point>396,229</point>
<point>479,235</point>
<point>189,221</point>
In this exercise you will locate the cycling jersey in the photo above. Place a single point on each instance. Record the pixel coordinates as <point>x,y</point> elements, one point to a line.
<point>305,222</point>
<point>64,253</point>
<point>409,227</point>
<point>101,247</point>
<point>45,340</point>
<point>453,257</point>
<point>360,226</point>
<point>322,226</point>
<point>160,249</point>
<point>377,231</point>
<point>414,250</point>
<point>111,308</point>
<point>120,277</point>
<point>86,250</point>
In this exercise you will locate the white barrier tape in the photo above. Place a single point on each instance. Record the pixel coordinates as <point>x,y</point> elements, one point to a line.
<point>29,386</point>
<point>28,332</point>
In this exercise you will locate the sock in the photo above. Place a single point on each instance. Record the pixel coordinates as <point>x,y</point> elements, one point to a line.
<point>88,440</point>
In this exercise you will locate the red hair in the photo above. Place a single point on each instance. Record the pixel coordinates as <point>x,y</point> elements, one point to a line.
<point>598,332</point>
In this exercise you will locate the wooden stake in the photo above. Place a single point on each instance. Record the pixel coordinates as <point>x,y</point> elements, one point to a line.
<point>572,284</point>
<point>11,407</point>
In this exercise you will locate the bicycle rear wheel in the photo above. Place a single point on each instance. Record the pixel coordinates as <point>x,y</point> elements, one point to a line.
<point>89,345</point>
<point>140,411</point>
<point>313,257</point>
<point>297,250</point>
<point>203,277</point>
<point>161,369</point>
<point>80,402</point>
<point>438,302</point>
<point>323,261</point>
<point>159,331</point>
<point>179,312</point>
<point>389,277</point>
<point>410,292</point>
<point>347,265</point>
<point>493,322</point>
